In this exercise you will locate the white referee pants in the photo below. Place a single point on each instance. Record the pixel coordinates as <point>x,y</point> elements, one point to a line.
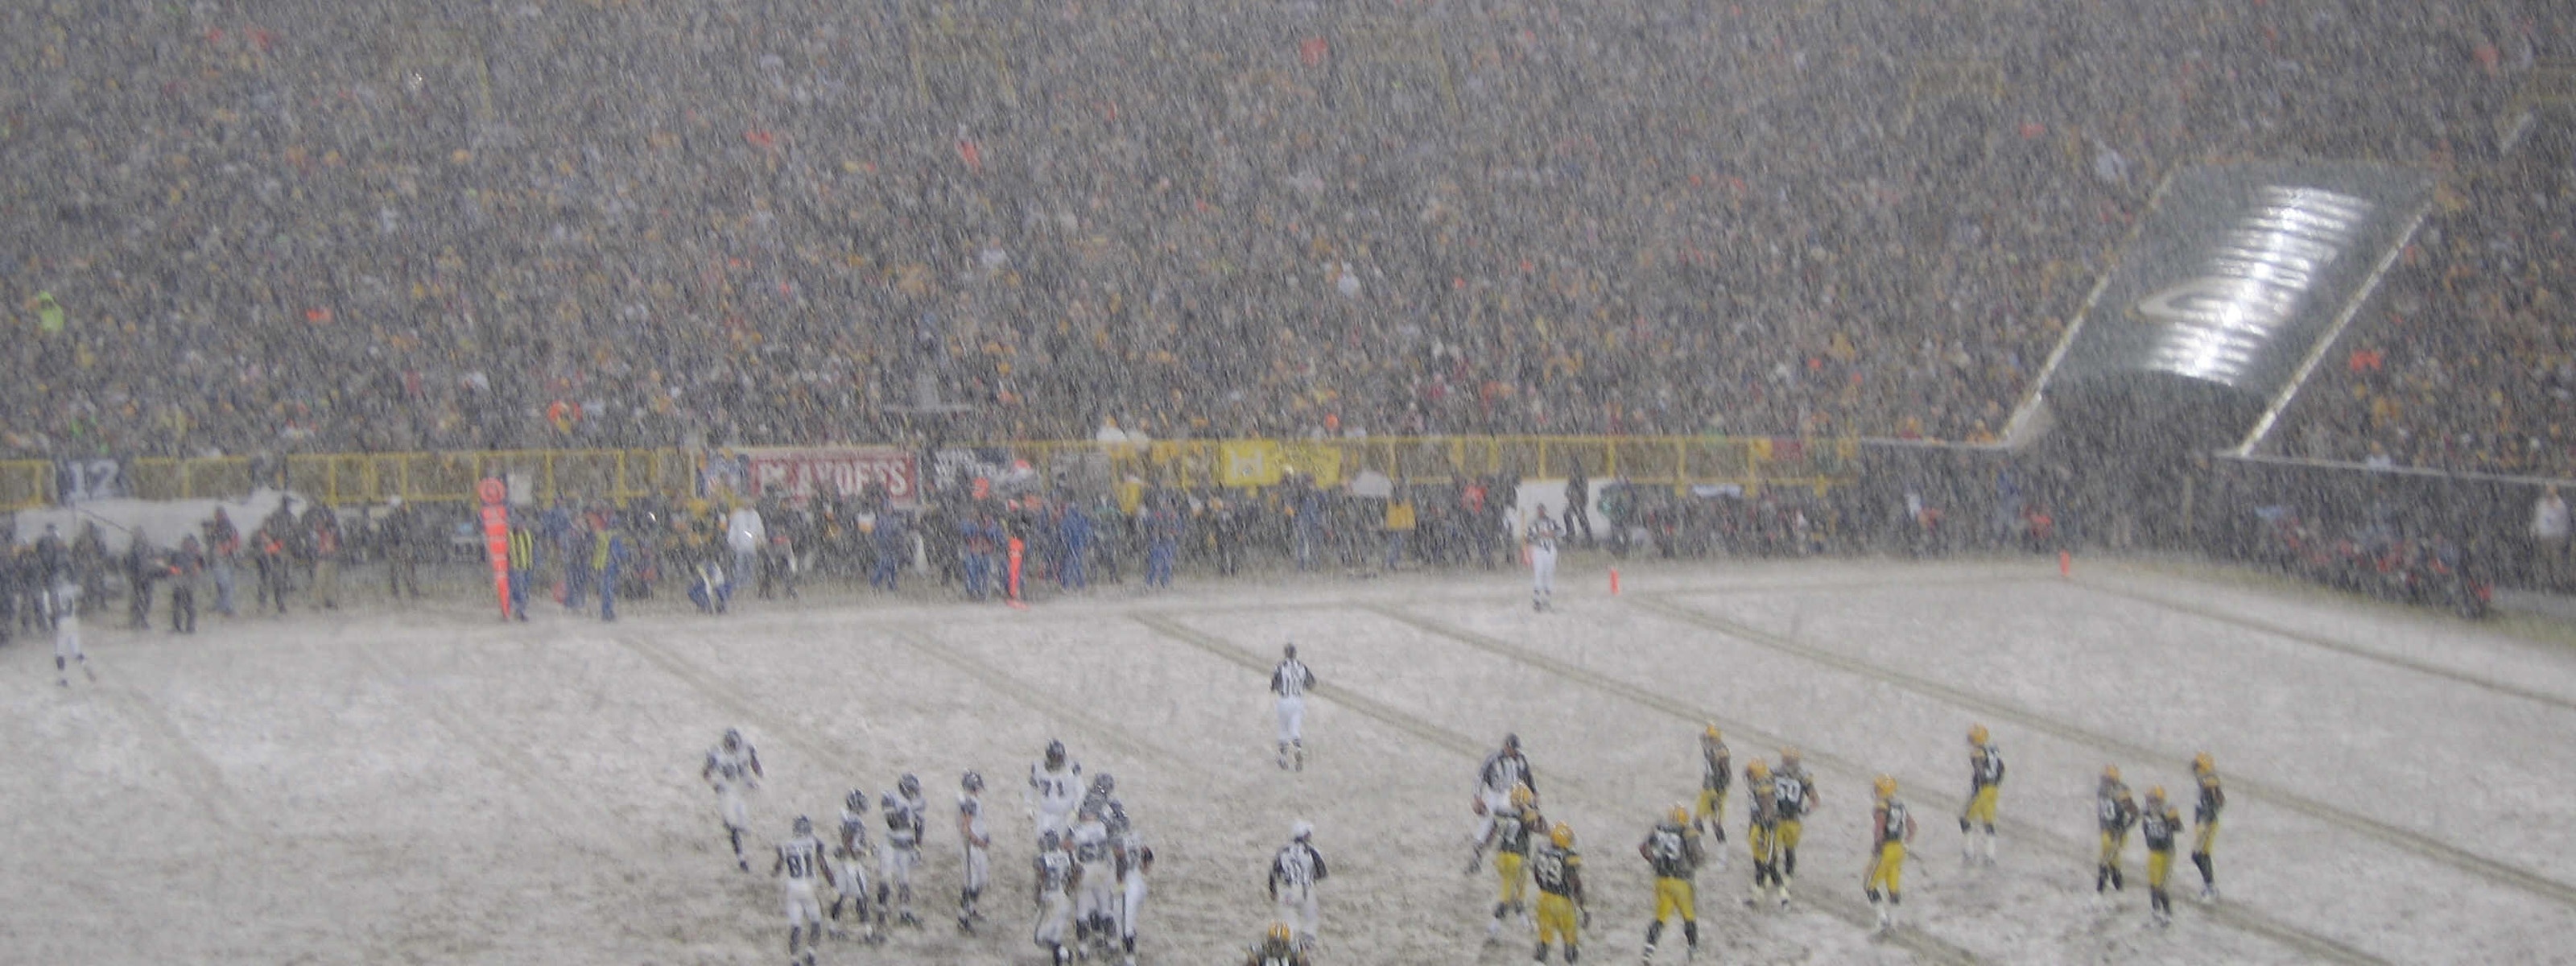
<point>1497,805</point>
<point>1292,719</point>
<point>1297,908</point>
<point>1542,572</point>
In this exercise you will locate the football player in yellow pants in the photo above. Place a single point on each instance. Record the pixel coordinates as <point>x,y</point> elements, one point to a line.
<point>1794,794</point>
<point>1673,851</point>
<point>1717,766</point>
<point>2213,799</point>
<point>1559,872</point>
<point>1512,836</point>
<point>2158,826</point>
<point>1890,829</point>
<point>1985,780</point>
<point>1761,828</point>
<point>2117,812</point>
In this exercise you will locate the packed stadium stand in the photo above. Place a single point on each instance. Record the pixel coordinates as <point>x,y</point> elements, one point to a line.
<point>309,225</point>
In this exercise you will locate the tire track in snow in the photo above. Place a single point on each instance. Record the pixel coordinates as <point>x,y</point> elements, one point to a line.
<point>1923,944</point>
<point>522,767</point>
<point>734,702</point>
<point>2314,640</point>
<point>2415,842</point>
<point>190,762</point>
<point>1382,713</point>
<point>2240,918</point>
<point>1001,681</point>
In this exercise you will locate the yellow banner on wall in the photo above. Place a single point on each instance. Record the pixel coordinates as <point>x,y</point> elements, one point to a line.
<point>1320,462</point>
<point>1248,462</point>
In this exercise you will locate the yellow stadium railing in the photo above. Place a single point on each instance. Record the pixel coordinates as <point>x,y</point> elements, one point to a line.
<point>620,475</point>
<point>342,479</point>
<point>26,484</point>
<point>1676,461</point>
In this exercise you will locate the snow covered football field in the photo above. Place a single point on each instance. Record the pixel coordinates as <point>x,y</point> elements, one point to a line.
<point>421,784</point>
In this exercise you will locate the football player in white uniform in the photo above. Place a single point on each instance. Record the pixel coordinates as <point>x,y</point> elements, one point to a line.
<point>733,767</point>
<point>1543,533</point>
<point>1056,873</point>
<point>1057,785</point>
<point>800,859</point>
<point>1103,798</point>
<point>1291,682</point>
<point>904,811</point>
<point>977,844</point>
<point>1094,904</point>
<point>1135,858</point>
<point>1294,873</point>
<point>65,601</point>
<point>849,866</point>
<point>1502,770</point>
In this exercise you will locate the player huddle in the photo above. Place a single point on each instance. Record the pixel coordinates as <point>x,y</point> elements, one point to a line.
<point>1087,879</point>
<point>1529,851</point>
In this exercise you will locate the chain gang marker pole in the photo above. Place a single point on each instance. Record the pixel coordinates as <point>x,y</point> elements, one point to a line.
<point>1017,547</point>
<point>496,537</point>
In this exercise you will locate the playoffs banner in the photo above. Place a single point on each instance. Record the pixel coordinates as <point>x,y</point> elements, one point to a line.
<point>802,473</point>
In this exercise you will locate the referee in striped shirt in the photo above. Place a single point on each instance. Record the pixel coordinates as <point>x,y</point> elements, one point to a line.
<point>1290,683</point>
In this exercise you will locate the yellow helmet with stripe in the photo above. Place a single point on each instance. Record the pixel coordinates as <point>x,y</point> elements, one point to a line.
<point>1280,933</point>
<point>1884,787</point>
<point>1679,814</point>
<point>1710,734</point>
<point>1977,734</point>
<point>2202,765</point>
<point>1562,835</point>
<point>1522,796</point>
<point>1758,769</point>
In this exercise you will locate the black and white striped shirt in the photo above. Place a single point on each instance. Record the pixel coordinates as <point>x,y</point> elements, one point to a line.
<point>1297,868</point>
<point>1503,770</point>
<point>1291,679</point>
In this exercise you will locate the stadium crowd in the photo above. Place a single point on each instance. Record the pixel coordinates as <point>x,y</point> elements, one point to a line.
<point>320,226</point>
<point>2473,366</point>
